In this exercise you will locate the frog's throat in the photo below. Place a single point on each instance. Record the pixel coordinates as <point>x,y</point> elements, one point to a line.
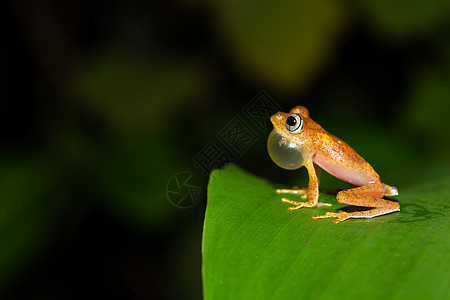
<point>285,153</point>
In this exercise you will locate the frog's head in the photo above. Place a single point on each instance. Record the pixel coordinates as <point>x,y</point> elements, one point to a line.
<point>290,123</point>
<point>284,143</point>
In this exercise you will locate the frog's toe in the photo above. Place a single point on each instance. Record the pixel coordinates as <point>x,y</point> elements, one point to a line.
<point>341,216</point>
<point>325,216</point>
<point>298,204</point>
<point>290,201</point>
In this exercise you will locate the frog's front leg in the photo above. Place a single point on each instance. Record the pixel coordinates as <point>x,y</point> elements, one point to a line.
<point>301,191</point>
<point>367,196</point>
<point>312,192</point>
<point>295,190</point>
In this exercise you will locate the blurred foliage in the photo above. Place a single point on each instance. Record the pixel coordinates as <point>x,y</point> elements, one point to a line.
<point>138,100</point>
<point>426,114</point>
<point>28,199</point>
<point>134,92</point>
<point>133,175</point>
<point>283,43</point>
<point>404,19</point>
<point>145,86</point>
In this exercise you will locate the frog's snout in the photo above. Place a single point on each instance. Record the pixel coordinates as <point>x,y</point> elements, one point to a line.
<point>276,117</point>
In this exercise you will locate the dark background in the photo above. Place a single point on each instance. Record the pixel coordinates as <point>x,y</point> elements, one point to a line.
<point>103,102</point>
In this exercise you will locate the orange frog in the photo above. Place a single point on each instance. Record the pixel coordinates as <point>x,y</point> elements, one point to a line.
<point>296,141</point>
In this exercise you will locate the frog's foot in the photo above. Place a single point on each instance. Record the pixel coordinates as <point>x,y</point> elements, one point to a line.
<point>295,190</point>
<point>303,204</point>
<point>341,216</point>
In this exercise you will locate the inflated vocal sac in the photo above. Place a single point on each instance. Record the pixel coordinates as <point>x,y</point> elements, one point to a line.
<point>283,152</point>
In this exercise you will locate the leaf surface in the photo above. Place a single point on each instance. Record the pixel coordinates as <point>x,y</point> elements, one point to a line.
<point>253,248</point>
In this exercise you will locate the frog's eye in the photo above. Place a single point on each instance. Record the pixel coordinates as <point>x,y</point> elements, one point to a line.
<point>294,123</point>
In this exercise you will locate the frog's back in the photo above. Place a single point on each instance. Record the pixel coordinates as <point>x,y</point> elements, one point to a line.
<point>342,161</point>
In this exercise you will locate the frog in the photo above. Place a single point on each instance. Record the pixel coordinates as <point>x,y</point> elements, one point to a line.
<point>297,141</point>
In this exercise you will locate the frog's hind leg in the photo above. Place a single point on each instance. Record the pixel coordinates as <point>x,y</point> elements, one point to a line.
<point>390,190</point>
<point>367,196</point>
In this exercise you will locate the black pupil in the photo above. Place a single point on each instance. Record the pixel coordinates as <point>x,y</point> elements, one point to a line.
<point>291,121</point>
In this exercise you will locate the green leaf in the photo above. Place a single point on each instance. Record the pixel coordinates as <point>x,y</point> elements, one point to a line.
<point>253,248</point>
